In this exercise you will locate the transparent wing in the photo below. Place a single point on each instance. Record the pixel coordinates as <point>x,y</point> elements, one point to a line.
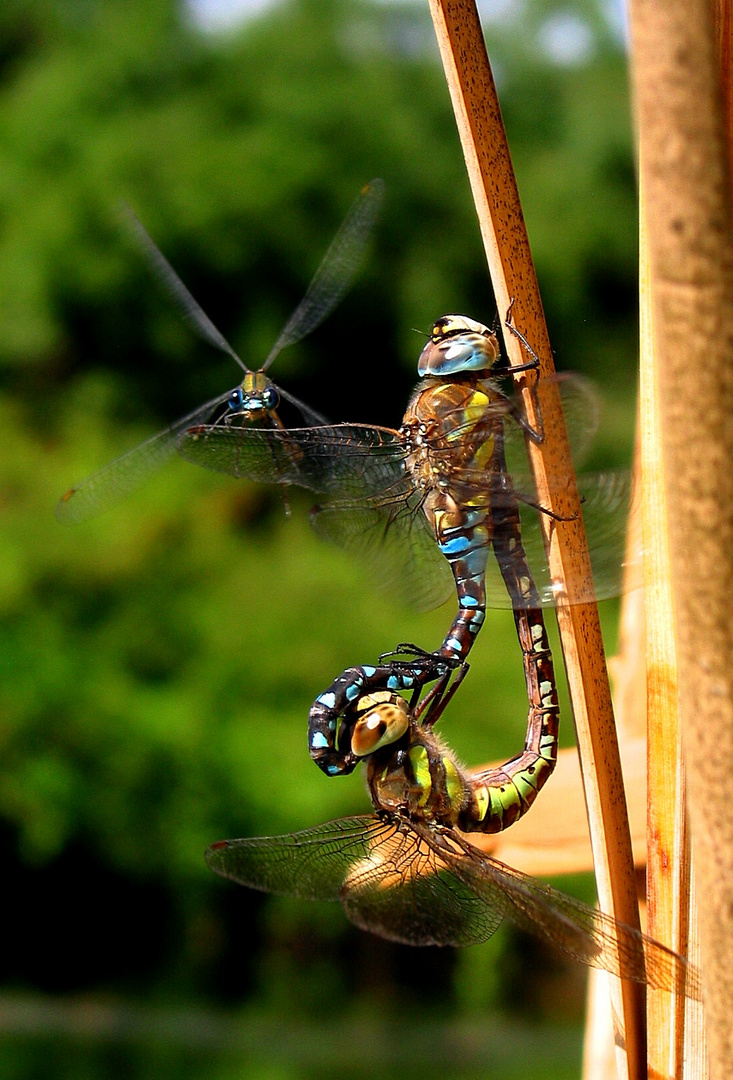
<point>377,513</point>
<point>581,409</point>
<point>349,460</point>
<point>584,933</point>
<point>336,273</point>
<point>392,537</point>
<point>396,544</point>
<point>310,416</point>
<point>389,880</point>
<point>333,278</point>
<point>111,484</point>
<point>404,889</point>
<point>377,509</point>
<point>429,886</point>
<point>607,499</point>
<point>192,312</point>
<point>330,283</point>
<point>311,864</point>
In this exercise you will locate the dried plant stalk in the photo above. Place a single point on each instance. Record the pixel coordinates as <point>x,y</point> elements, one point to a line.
<point>481,130</point>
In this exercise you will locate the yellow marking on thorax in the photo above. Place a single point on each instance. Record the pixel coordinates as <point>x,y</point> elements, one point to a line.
<point>472,412</point>
<point>421,768</point>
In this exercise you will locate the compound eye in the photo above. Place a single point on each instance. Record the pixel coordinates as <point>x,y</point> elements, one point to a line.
<point>384,724</point>
<point>270,397</point>
<point>235,401</point>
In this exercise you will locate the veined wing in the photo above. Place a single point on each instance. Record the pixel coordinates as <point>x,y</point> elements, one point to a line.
<point>396,543</point>
<point>330,283</point>
<point>606,502</point>
<point>389,880</point>
<point>421,885</point>
<point>310,416</point>
<point>346,460</point>
<point>584,933</point>
<point>112,483</point>
<point>191,311</point>
<point>393,538</point>
<point>580,407</point>
<point>311,864</point>
<point>429,886</point>
<point>405,890</point>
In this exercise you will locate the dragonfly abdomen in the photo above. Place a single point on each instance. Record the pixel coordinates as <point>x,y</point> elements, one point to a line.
<point>463,536</point>
<point>503,795</point>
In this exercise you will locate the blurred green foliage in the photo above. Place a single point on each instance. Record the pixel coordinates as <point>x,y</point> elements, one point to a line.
<point>157,664</point>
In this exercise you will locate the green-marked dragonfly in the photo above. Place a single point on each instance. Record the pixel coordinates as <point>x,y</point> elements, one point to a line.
<point>256,398</point>
<point>409,873</point>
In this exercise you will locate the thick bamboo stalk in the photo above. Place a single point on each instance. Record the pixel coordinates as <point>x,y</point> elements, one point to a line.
<point>685,177</point>
<point>480,127</point>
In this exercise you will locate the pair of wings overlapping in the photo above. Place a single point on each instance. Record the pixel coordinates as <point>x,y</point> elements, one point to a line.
<point>375,505</point>
<point>427,885</point>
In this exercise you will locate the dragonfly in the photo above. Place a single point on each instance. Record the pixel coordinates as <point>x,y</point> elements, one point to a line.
<point>424,504</point>
<point>408,872</point>
<point>257,398</point>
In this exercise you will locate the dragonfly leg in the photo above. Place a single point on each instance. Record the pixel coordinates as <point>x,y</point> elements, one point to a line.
<point>526,500</point>
<point>534,362</point>
<point>537,434</point>
<point>407,648</point>
<point>438,697</point>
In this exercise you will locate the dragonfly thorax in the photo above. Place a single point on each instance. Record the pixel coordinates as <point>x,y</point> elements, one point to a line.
<point>457,345</point>
<point>420,778</point>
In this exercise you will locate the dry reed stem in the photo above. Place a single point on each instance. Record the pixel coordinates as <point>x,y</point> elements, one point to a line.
<point>485,149</point>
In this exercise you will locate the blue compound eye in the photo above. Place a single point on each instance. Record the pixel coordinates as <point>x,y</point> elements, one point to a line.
<point>235,401</point>
<point>270,397</point>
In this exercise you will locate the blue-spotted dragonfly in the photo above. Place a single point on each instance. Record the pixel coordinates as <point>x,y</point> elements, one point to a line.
<point>256,399</point>
<point>426,502</point>
<point>409,873</point>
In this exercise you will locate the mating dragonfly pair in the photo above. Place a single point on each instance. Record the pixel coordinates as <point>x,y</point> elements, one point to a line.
<point>424,504</point>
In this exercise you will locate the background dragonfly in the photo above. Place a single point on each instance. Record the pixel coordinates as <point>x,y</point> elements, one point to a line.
<point>257,398</point>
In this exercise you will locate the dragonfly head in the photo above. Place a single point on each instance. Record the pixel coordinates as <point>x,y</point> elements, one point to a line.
<point>457,345</point>
<point>383,719</point>
<point>256,397</point>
